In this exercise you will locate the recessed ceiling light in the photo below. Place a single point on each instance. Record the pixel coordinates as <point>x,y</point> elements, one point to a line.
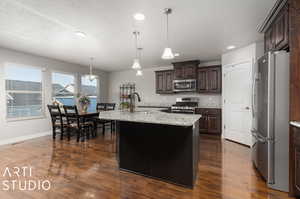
<point>176,54</point>
<point>80,34</point>
<point>230,47</point>
<point>139,16</point>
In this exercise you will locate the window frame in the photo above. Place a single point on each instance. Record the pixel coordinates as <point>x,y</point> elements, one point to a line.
<point>42,92</point>
<point>97,86</point>
<point>75,75</point>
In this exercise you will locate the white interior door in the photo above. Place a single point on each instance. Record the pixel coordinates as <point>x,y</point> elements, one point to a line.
<point>237,103</point>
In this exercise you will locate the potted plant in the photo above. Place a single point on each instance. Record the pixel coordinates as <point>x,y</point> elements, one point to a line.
<point>124,105</point>
<point>84,102</point>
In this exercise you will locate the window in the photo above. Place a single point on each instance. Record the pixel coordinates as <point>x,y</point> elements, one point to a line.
<point>63,88</point>
<point>90,88</point>
<point>24,91</point>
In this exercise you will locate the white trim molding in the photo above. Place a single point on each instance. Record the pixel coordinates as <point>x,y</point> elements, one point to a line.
<point>23,138</point>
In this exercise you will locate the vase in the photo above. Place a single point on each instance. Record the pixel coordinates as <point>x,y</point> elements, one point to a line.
<point>84,108</point>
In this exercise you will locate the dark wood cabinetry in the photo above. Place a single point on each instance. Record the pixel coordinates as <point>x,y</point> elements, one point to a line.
<point>277,33</point>
<point>186,69</point>
<point>295,161</point>
<point>166,152</point>
<point>210,122</point>
<point>164,81</point>
<point>210,79</point>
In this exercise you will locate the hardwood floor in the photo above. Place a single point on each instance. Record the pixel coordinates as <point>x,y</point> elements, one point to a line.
<point>89,170</point>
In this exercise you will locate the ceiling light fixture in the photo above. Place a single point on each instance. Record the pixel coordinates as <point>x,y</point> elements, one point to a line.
<point>136,63</point>
<point>91,76</point>
<point>167,54</point>
<point>139,73</point>
<point>139,16</point>
<point>230,47</point>
<point>80,34</point>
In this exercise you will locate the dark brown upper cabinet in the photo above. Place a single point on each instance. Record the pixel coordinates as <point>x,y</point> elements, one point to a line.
<point>210,79</point>
<point>276,30</point>
<point>164,81</point>
<point>186,69</point>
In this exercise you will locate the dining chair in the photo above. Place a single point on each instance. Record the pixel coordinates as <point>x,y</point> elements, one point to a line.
<point>111,107</point>
<point>101,107</point>
<point>104,107</point>
<point>57,121</point>
<point>75,122</point>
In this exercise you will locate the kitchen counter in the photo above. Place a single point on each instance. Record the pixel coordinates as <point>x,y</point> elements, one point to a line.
<point>152,116</point>
<point>295,124</point>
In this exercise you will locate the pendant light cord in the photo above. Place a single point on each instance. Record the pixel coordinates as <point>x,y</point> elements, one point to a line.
<point>167,29</point>
<point>91,67</point>
<point>136,46</point>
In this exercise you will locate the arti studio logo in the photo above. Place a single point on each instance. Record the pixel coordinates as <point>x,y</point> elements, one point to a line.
<point>21,178</point>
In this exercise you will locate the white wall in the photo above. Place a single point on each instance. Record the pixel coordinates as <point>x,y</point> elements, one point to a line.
<point>248,54</point>
<point>12,131</point>
<point>145,86</point>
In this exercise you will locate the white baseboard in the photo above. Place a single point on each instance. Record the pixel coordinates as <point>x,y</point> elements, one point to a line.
<point>23,138</point>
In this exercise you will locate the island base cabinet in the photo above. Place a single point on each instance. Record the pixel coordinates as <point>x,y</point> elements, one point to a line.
<point>165,152</point>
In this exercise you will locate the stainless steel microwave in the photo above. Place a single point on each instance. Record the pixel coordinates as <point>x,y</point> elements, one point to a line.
<point>187,85</point>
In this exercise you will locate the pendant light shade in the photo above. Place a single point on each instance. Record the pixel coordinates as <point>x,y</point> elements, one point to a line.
<point>136,64</point>
<point>167,54</point>
<point>139,73</point>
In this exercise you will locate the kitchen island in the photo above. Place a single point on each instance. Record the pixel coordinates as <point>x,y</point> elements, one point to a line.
<point>157,144</point>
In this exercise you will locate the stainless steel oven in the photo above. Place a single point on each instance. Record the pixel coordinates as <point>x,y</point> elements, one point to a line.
<point>187,85</point>
<point>185,105</point>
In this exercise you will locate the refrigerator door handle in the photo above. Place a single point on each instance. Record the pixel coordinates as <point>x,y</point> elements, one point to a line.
<point>252,100</point>
<point>254,83</point>
<point>258,137</point>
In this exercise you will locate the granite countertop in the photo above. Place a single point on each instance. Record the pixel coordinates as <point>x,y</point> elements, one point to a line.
<point>295,124</point>
<point>153,116</point>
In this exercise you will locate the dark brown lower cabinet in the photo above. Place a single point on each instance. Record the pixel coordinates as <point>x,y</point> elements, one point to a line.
<point>295,161</point>
<point>210,122</point>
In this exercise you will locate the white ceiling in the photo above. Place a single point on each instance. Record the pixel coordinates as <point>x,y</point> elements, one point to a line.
<point>199,29</point>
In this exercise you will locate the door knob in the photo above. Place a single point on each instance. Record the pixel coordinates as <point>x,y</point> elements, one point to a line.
<point>247,108</point>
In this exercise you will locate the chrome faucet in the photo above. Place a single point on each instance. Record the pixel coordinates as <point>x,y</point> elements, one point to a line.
<point>131,105</point>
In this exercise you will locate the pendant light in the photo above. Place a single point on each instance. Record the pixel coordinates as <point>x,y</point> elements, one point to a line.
<point>139,72</point>
<point>136,62</point>
<point>167,54</point>
<point>91,76</point>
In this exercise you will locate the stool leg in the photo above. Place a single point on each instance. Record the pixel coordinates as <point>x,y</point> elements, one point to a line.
<point>78,135</point>
<point>87,132</point>
<point>69,134</point>
<point>61,133</point>
<point>53,133</point>
<point>103,128</point>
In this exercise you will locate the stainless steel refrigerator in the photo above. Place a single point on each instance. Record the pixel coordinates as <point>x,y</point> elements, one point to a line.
<point>270,107</point>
